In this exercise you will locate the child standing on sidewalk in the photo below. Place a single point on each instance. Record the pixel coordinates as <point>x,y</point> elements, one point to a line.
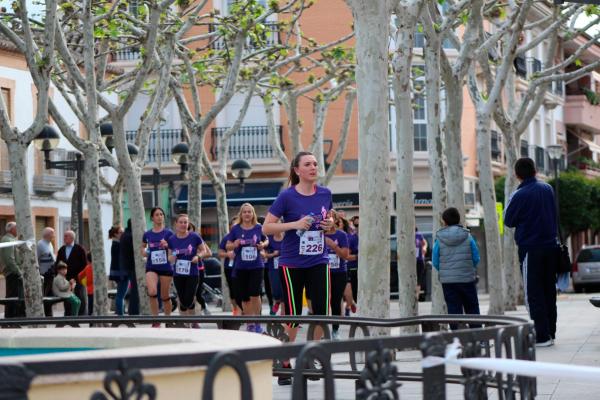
<point>61,287</point>
<point>455,256</point>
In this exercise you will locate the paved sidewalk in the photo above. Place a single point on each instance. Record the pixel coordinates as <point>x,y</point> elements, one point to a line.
<point>577,342</point>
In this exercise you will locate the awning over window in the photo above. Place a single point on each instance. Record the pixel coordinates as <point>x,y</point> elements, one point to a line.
<point>256,193</point>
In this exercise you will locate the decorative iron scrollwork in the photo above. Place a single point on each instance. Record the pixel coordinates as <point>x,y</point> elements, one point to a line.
<point>227,359</point>
<point>129,384</point>
<point>475,384</point>
<point>378,378</point>
<point>277,331</point>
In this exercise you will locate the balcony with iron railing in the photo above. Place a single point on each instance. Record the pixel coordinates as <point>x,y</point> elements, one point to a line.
<point>160,144</point>
<point>249,142</point>
<point>269,38</point>
<point>125,54</point>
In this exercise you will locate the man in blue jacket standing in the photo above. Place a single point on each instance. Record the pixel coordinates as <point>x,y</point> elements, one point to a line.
<point>531,211</point>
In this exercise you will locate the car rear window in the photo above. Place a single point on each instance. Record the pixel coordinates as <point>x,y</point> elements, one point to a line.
<point>589,255</point>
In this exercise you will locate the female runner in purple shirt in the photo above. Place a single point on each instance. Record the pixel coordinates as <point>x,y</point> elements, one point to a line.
<point>154,248</point>
<point>337,247</point>
<point>247,240</point>
<point>186,250</point>
<point>304,208</point>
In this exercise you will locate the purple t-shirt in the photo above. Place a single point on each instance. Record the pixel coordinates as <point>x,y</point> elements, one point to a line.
<point>223,246</point>
<point>185,249</point>
<point>419,239</point>
<point>274,245</point>
<point>353,245</point>
<point>157,256</point>
<point>247,256</point>
<point>336,264</point>
<point>308,250</point>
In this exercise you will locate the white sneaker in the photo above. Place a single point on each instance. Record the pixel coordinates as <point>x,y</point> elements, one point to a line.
<point>335,335</point>
<point>547,343</point>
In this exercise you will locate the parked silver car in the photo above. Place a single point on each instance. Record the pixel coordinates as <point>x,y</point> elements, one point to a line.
<point>586,268</point>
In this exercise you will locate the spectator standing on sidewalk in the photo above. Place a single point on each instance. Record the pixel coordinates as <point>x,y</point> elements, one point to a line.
<point>46,259</point>
<point>531,211</point>
<point>12,272</point>
<point>455,256</point>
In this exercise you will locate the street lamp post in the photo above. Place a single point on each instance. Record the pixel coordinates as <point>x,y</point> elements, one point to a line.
<point>555,152</point>
<point>241,169</point>
<point>48,139</point>
<point>180,156</point>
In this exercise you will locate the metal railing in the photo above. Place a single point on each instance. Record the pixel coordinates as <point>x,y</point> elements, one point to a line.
<point>535,65</point>
<point>127,54</point>
<point>160,144</point>
<point>480,336</point>
<point>269,38</point>
<point>249,142</point>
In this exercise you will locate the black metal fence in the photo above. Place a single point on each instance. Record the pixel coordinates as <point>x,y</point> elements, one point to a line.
<point>376,375</point>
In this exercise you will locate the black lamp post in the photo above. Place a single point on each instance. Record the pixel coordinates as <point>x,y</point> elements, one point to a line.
<point>327,146</point>
<point>180,156</point>
<point>48,139</point>
<point>555,152</point>
<point>241,169</point>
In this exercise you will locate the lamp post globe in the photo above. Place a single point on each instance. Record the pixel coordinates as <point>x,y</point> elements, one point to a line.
<point>106,133</point>
<point>241,169</point>
<point>47,139</point>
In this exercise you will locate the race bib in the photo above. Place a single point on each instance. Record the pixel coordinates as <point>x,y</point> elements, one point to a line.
<point>249,253</point>
<point>158,257</point>
<point>275,262</point>
<point>182,267</point>
<point>311,243</point>
<point>334,261</point>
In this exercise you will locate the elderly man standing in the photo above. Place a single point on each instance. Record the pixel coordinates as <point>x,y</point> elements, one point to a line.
<point>74,256</point>
<point>46,259</point>
<point>12,272</point>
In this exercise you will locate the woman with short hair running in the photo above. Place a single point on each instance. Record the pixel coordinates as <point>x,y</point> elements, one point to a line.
<point>154,248</point>
<point>247,240</point>
<point>303,208</point>
<point>186,249</point>
<point>337,247</point>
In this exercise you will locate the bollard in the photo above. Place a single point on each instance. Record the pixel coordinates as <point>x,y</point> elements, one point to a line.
<point>434,378</point>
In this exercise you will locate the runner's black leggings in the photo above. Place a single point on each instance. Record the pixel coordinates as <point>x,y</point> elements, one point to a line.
<point>186,289</point>
<point>316,281</point>
<point>338,284</point>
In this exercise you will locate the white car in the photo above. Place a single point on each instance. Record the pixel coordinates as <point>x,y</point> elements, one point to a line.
<point>586,268</point>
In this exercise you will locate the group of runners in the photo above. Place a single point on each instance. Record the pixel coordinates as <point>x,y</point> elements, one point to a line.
<point>306,247</point>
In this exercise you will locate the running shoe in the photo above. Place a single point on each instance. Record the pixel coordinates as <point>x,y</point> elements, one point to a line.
<point>347,313</point>
<point>353,308</point>
<point>205,311</point>
<point>156,325</point>
<point>285,380</point>
<point>275,308</point>
<point>258,329</point>
<point>547,343</point>
<point>250,328</point>
<point>335,335</point>
<point>195,325</point>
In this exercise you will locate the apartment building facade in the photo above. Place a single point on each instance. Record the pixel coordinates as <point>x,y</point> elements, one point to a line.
<point>51,190</point>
